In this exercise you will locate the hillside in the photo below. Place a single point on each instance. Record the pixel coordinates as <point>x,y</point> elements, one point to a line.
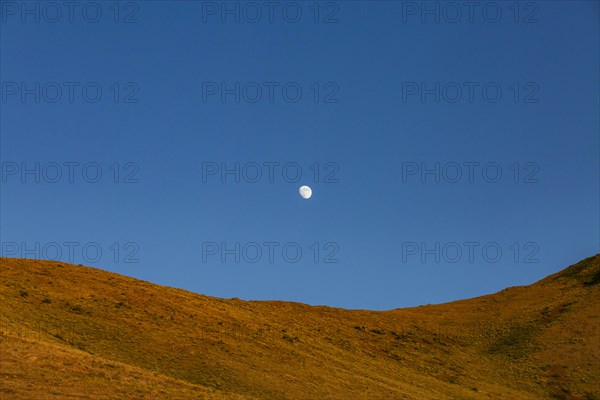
<point>70,331</point>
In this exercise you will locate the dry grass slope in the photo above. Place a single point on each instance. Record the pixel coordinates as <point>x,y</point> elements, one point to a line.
<point>77,332</point>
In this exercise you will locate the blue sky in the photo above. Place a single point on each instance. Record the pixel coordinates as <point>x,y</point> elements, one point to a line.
<point>407,111</point>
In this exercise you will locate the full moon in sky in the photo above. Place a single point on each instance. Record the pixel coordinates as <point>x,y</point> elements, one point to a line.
<point>305,192</point>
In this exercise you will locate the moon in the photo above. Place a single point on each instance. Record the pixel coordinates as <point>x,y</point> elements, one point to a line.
<point>305,192</point>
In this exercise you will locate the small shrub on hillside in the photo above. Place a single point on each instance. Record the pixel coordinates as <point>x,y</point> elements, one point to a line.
<point>77,308</point>
<point>594,280</point>
<point>399,336</point>
<point>591,396</point>
<point>290,338</point>
<point>559,396</point>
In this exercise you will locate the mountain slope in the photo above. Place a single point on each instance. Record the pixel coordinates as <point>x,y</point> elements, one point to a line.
<point>105,335</point>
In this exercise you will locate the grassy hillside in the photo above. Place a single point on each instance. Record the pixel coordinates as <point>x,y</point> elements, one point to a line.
<point>77,332</point>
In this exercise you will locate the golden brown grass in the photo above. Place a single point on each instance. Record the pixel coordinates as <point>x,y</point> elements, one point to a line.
<point>77,332</point>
